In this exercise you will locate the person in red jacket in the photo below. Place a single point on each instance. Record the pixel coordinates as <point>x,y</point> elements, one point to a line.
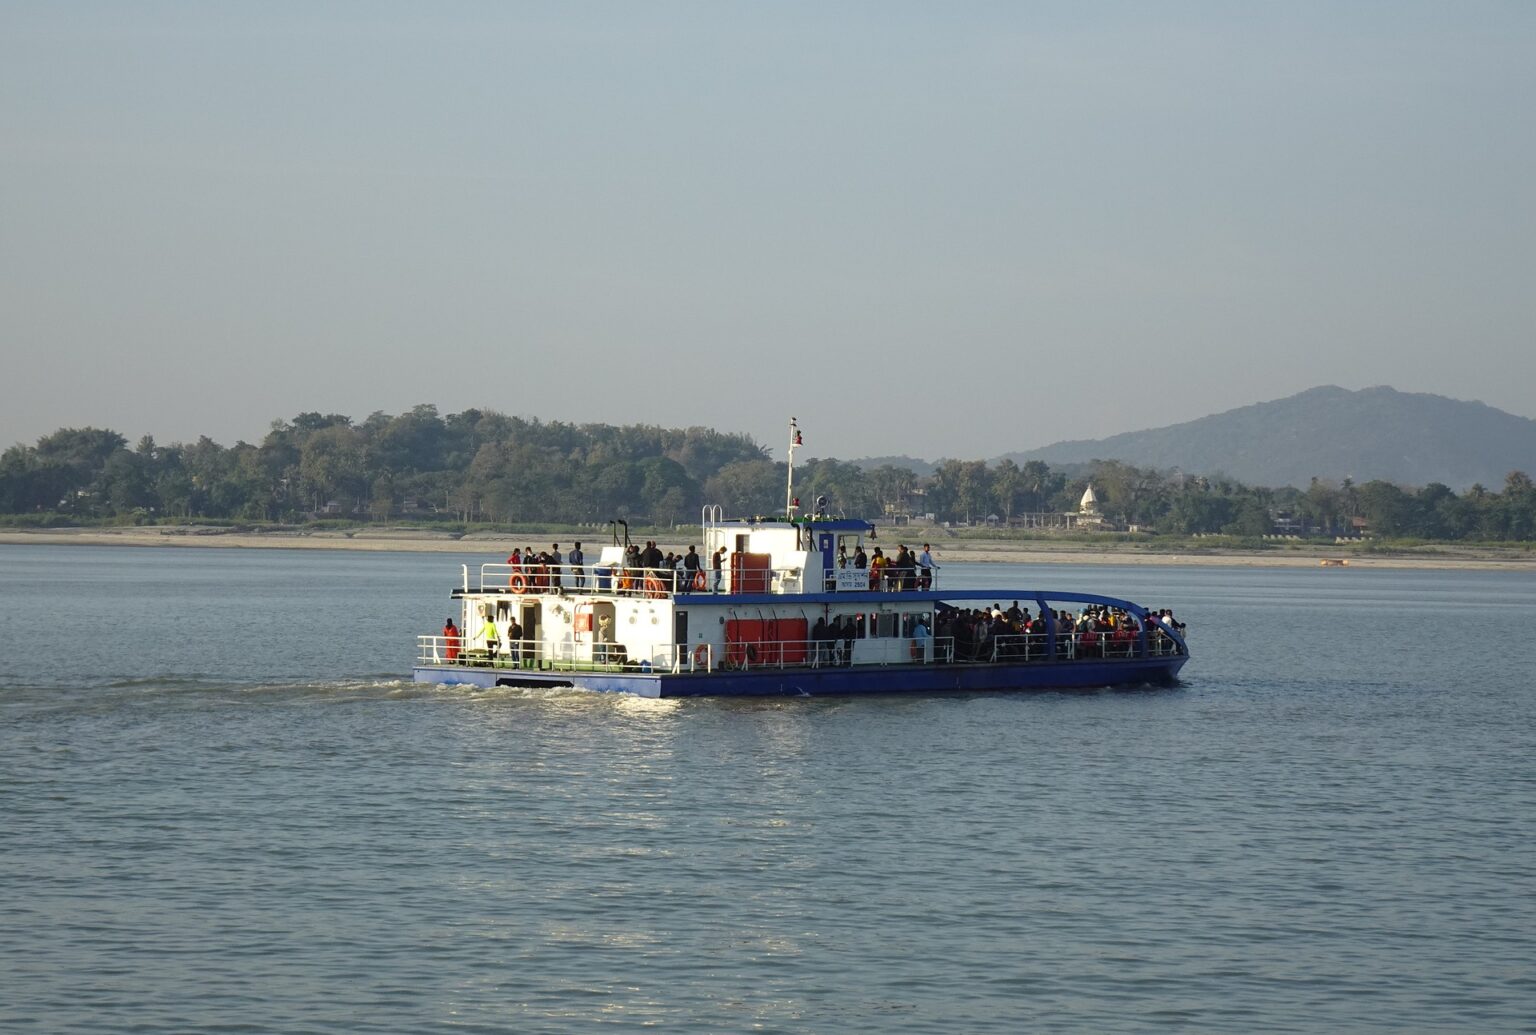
<point>451,642</point>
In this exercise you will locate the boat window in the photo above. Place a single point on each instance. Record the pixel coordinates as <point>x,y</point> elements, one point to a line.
<point>886,624</point>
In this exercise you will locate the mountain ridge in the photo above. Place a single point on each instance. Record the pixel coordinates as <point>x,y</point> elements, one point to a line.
<point>1327,432</point>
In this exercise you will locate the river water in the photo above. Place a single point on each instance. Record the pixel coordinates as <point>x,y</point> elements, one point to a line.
<point>226,809</point>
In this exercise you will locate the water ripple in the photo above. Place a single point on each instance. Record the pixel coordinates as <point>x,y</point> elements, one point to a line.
<point>1289,842</point>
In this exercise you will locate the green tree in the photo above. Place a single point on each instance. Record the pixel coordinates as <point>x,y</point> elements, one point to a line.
<point>332,466</point>
<point>1042,484</point>
<point>1197,510</point>
<point>961,488</point>
<point>615,486</point>
<point>1125,491</point>
<point>1517,506</point>
<point>666,491</point>
<point>1010,487</point>
<point>1324,506</point>
<point>1387,509</point>
<point>125,483</point>
<point>412,442</point>
<point>25,485</point>
<point>846,486</point>
<point>1252,519</point>
<point>383,505</point>
<point>747,488</point>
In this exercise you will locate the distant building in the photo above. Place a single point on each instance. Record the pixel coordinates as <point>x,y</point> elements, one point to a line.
<point>1088,515</point>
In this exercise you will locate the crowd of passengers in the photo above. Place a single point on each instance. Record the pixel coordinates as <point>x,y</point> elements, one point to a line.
<point>551,571</point>
<point>993,634</point>
<point>982,634</point>
<point>906,570</point>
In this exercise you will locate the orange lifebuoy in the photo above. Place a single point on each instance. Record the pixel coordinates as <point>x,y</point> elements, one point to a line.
<point>701,656</point>
<point>653,587</point>
<point>698,580</point>
<point>518,584</point>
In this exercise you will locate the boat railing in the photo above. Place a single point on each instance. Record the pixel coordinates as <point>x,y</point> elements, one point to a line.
<point>439,650</point>
<point>656,583</point>
<point>586,655</point>
<point>1072,645</point>
<point>567,655</point>
<point>652,583</point>
<point>888,581</point>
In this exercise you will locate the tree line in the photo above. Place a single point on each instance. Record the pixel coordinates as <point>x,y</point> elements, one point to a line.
<point>480,466</point>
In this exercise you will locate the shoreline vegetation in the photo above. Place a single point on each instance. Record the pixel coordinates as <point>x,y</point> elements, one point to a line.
<point>948,546</point>
<point>479,469</point>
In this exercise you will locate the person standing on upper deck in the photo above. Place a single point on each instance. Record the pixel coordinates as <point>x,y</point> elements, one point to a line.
<point>716,563</point>
<point>926,567</point>
<point>576,560</point>
<point>555,561</point>
<point>451,642</point>
<point>691,570</point>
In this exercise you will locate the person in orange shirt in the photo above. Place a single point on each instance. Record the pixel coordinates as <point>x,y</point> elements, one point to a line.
<point>451,642</point>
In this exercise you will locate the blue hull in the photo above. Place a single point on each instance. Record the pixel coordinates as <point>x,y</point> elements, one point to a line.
<point>817,682</point>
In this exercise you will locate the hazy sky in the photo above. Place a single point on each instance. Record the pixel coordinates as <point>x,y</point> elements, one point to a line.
<point>932,229</point>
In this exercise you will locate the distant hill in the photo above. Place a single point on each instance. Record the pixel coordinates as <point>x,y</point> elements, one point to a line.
<point>1332,433</point>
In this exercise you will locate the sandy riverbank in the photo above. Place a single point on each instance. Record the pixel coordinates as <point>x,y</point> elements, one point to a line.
<point>419,541</point>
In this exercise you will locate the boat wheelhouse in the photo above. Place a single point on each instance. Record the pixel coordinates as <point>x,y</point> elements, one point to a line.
<point>787,613</point>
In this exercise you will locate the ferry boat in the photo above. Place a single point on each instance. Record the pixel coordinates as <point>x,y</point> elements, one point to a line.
<point>788,614</point>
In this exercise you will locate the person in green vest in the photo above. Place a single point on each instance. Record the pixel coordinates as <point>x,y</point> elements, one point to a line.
<point>492,639</point>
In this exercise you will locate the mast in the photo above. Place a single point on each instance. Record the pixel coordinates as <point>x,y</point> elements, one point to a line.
<point>790,504</point>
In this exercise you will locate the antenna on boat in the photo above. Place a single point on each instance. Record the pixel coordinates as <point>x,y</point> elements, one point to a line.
<point>790,503</point>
